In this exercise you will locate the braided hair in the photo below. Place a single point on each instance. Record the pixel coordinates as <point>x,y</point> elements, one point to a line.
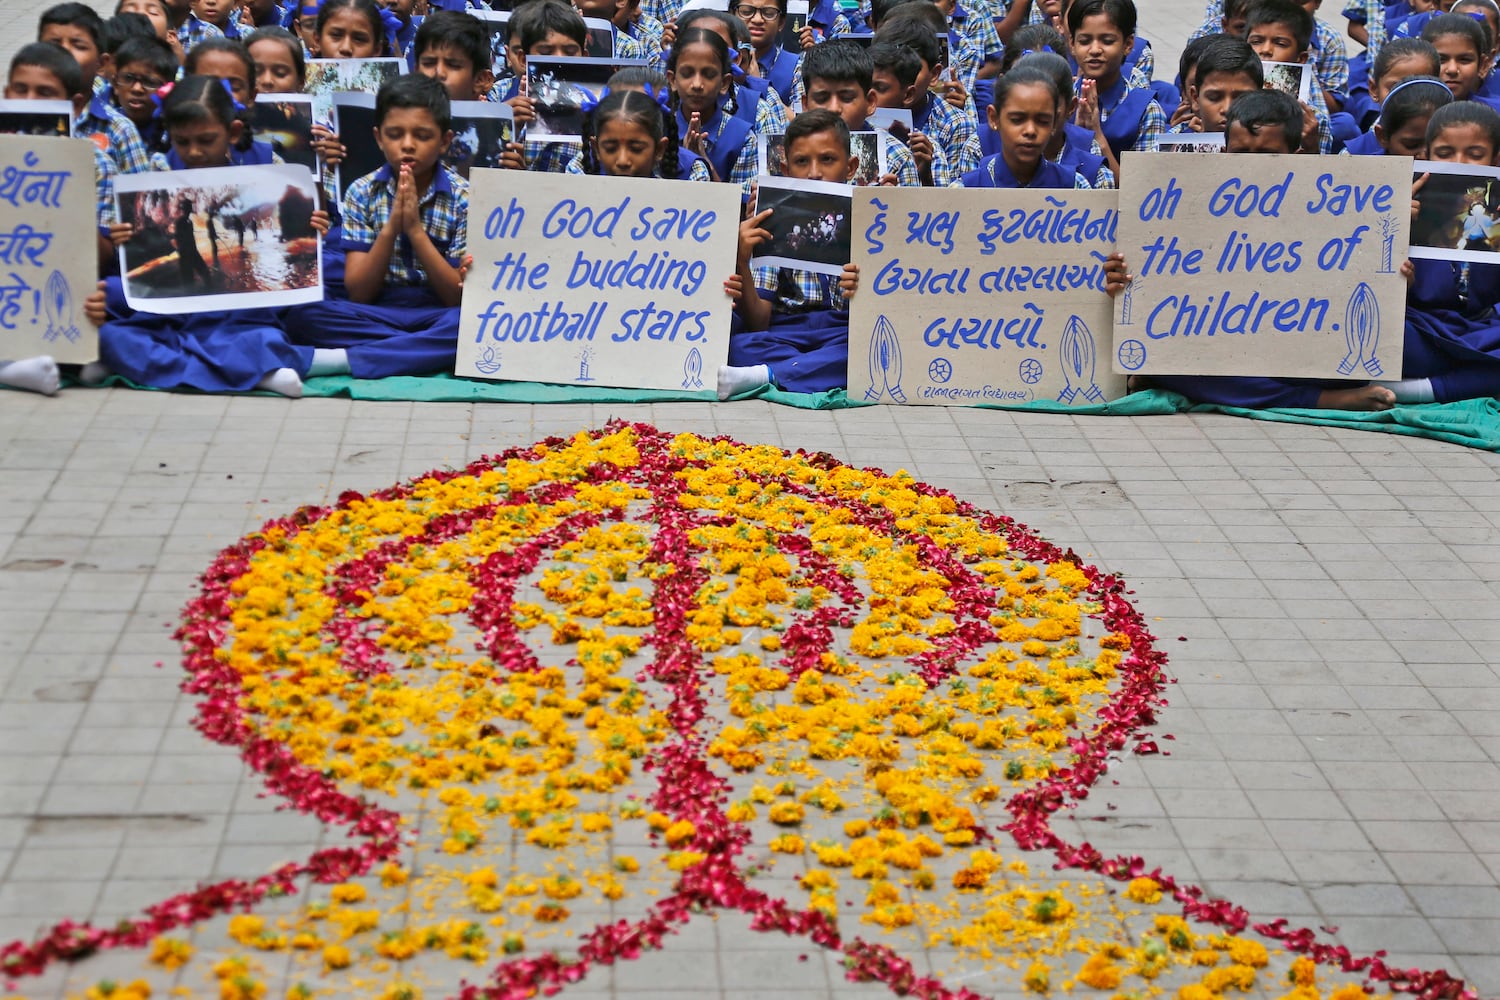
<point>639,108</point>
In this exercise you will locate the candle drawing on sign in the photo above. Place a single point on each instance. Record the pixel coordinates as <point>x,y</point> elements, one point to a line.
<point>488,362</point>
<point>1362,332</point>
<point>59,305</point>
<point>1388,228</point>
<point>1127,301</point>
<point>885,363</point>
<point>1078,360</point>
<point>692,370</point>
<point>584,357</point>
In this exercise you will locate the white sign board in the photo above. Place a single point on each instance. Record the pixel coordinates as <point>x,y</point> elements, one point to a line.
<point>981,296</point>
<point>614,281</point>
<point>1271,265</point>
<point>48,250</point>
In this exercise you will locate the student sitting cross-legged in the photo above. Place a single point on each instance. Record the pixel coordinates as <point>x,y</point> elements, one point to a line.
<point>792,327</point>
<point>405,230</point>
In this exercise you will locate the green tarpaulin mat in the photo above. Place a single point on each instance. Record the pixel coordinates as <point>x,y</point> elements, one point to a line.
<point>1473,423</point>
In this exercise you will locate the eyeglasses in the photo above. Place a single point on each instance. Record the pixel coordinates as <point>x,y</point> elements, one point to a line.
<point>128,80</point>
<point>746,11</point>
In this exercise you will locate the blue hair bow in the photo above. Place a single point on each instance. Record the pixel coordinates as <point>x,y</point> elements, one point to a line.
<point>589,101</point>
<point>238,107</point>
<point>393,26</point>
<point>662,97</point>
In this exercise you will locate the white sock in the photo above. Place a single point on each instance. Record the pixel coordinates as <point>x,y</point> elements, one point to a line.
<point>93,373</point>
<point>37,374</point>
<point>1411,390</point>
<point>329,361</point>
<point>283,381</point>
<point>735,379</point>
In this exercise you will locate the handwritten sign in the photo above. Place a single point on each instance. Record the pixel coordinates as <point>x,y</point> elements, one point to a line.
<point>602,280</point>
<point>990,296</point>
<point>47,206</point>
<point>1274,265</point>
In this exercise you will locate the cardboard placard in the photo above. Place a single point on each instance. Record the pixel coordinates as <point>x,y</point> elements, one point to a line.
<point>1271,265</point>
<point>47,206</point>
<point>618,281</point>
<point>992,296</point>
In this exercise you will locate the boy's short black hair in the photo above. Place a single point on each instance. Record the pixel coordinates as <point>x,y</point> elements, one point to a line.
<point>925,14</point>
<point>414,91</point>
<point>1236,8</point>
<point>76,15</point>
<point>1266,109</point>
<point>152,51</point>
<point>459,30</point>
<point>1466,113</point>
<point>534,21</point>
<point>1190,53</point>
<point>837,61</point>
<point>1285,13</point>
<point>1230,56</point>
<point>55,60</point>
<point>898,60</point>
<point>121,27</point>
<point>1033,39</point>
<point>1401,49</point>
<point>910,33</point>
<point>1458,24</point>
<point>815,121</point>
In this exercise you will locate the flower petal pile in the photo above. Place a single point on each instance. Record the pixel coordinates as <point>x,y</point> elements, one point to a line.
<point>571,697</point>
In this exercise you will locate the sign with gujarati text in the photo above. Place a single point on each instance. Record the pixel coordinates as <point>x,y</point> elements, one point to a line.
<point>981,296</point>
<point>1273,265</point>
<point>613,281</point>
<point>50,187</point>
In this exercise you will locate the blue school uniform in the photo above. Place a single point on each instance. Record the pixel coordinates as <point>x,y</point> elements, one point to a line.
<point>226,351</point>
<point>407,330</point>
<point>726,137</point>
<point>1452,331</point>
<point>1364,145</point>
<point>806,346</point>
<point>993,173</point>
<point>1130,117</point>
<point>779,69</point>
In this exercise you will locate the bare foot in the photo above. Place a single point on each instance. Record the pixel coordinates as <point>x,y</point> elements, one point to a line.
<point>1364,397</point>
<point>1137,383</point>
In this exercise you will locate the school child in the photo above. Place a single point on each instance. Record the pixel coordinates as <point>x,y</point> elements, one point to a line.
<point>41,71</point>
<point>1399,59</point>
<point>1263,121</point>
<point>634,125</point>
<point>1281,31</point>
<point>895,75</point>
<point>648,33</point>
<point>540,28</point>
<point>1102,32</point>
<point>230,61</point>
<point>77,30</point>
<point>453,48</point>
<point>141,67</point>
<point>402,23</point>
<point>154,11</point>
<point>1401,129</point>
<point>698,72</point>
<point>1027,113</point>
<point>1461,46</point>
<point>1073,147</point>
<point>1226,68</point>
<point>231,351</point>
<point>935,121</point>
<point>405,234</point>
<point>1452,346</point>
<point>777,65</point>
<point>618,13</point>
<point>838,76</point>
<point>302,21</point>
<point>755,100</point>
<point>189,28</point>
<point>957,79</point>
<point>222,14</point>
<point>280,67</point>
<point>351,29</point>
<point>979,28</point>
<point>791,327</point>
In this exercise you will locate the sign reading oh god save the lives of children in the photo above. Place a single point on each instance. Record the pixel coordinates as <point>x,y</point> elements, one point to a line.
<point>597,280</point>
<point>1273,265</point>
<point>981,296</point>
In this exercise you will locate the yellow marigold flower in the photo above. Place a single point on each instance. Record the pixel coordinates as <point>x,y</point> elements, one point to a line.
<point>740,812</point>
<point>397,946</point>
<point>1241,977</point>
<point>246,928</point>
<point>1143,890</point>
<point>683,860</point>
<point>401,991</point>
<point>856,828</point>
<point>392,874</point>
<point>1195,991</point>
<point>110,990</point>
<point>1206,956</point>
<point>348,892</point>
<point>1349,991</point>
<point>241,988</point>
<point>561,887</point>
<point>1038,977</point>
<point>1248,952</point>
<point>336,956</point>
<point>306,941</point>
<point>787,813</point>
<point>595,822</point>
<point>680,832</point>
<point>1304,972</point>
<point>170,953</point>
<point>658,821</point>
<point>625,863</point>
<point>1100,973</point>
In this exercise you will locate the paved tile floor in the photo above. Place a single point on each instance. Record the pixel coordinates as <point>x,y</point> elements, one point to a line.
<point>1329,599</point>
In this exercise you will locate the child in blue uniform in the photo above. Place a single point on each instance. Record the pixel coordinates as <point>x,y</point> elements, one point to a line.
<point>791,327</point>
<point>1103,32</point>
<point>212,351</point>
<point>1401,127</point>
<point>405,233</point>
<point>1027,112</point>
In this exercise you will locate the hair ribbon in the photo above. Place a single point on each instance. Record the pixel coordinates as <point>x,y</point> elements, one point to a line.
<point>661,97</point>
<point>393,26</point>
<point>589,101</point>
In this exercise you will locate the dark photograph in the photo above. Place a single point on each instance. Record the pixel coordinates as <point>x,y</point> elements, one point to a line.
<point>809,225</point>
<point>1458,217</point>
<point>285,121</point>
<point>559,89</point>
<point>481,130</point>
<point>36,118</point>
<point>354,119</point>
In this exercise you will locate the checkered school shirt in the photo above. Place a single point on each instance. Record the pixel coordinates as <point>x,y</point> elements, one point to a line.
<point>109,130</point>
<point>104,188</point>
<point>1153,122</point>
<point>798,291</point>
<point>1330,59</point>
<point>445,216</point>
<point>193,31</point>
<point>648,31</point>
<point>955,133</point>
